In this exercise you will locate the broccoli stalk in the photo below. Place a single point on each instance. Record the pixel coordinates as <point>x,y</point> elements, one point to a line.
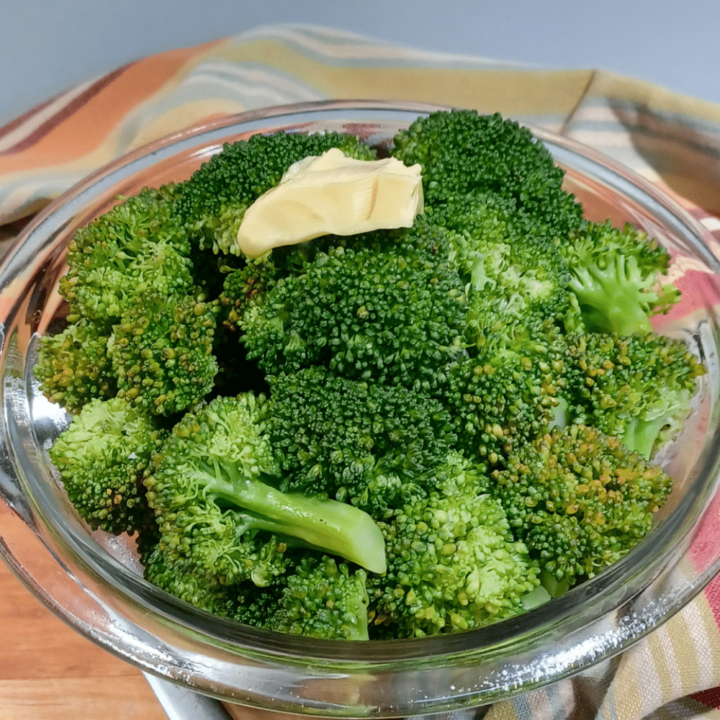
<point>215,503</point>
<point>616,298</point>
<point>615,277</point>
<point>326,525</point>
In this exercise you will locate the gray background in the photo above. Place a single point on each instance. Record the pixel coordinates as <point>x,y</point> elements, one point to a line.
<point>49,45</point>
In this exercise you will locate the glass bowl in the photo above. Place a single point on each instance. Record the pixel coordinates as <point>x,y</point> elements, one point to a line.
<point>94,583</point>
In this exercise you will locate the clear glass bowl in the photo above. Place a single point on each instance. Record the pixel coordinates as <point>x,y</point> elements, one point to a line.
<point>94,583</point>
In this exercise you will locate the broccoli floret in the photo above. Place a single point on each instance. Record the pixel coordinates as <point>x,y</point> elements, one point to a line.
<point>317,598</point>
<point>637,388</point>
<point>247,286</point>
<point>462,152</point>
<point>162,352</point>
<point>102,459</point>
<point>215,504</point>
<point>387,307</point>
<point>355,440</point>
<point>180,578</point>
<point>580,500</point>
<point>139,245</point>
<point>615,276</point>
<point>324,600</point>
<point>509,392</point>
<point>73,366</point>
<point>512,269</point>
<point>453,563</point>
<point>215,198</point>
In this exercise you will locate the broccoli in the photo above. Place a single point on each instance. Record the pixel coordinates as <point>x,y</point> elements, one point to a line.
<point>102,459</point>
<point>324,600</point>
<point>637,388</point>
<point>179,577</point>
<point>394,434</point>
<point>387,307</point>
<point>355,440</point>
<point>579,500</point>
<point>215,504</point>
<point>615,276</point>
<point>513,270</point>
<point>509,393</point>
<point>139,245</point>
<point>214,200</point>
<point>162,352</point>
<point>453,562</point>
<point>316,598</point>
<point>73,366</point>
<point>462,152</point>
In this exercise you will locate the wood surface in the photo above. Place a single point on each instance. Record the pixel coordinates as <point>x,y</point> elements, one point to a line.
<point>50,672</point>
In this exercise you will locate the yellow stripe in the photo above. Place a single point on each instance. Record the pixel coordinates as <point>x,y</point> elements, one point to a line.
<point>681,637</point>
<point>510,92</point>
<point>183,116</point>
<point>502,711</point>
<point>661,649</point>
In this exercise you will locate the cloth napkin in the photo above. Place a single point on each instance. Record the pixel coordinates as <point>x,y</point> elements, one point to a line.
<point>673,141</point>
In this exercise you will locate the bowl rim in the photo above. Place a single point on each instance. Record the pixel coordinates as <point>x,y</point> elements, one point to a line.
<point>334,653</point>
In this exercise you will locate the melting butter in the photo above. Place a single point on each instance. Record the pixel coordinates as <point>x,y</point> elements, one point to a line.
<point>332,194</point>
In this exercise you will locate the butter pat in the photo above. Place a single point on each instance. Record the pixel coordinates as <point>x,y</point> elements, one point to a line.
<point>332,194</point>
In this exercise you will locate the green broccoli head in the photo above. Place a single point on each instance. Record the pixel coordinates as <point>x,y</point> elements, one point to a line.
<point>509,392</point>
<point>215,198</point>
<point>453,563</point>
<point>102,459</point>
<point>637,388</point>
<point>139,245</point>
<point>216,504</point>
<point>323,599</point>
<point>162,352</point>
<point>179,577</point>
<point>615,276</point>
<point>386,307</point>
<point>512,268</point>
<point>462,152</point>
<point>580,500</point>
<point>356,440</point>
<point>73,366</point>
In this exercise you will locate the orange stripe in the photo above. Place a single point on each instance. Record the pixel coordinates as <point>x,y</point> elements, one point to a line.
<point>63,114</point>
<point>91,125</point>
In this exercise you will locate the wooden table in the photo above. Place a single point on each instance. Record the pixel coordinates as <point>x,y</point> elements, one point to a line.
<point>50,672</point>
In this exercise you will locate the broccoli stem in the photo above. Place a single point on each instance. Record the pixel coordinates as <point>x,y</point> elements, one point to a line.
<point>609,304</point>
<point>327,525</point>
<point>640,435</point>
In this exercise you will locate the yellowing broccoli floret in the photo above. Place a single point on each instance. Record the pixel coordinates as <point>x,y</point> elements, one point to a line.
<point>102,459</point>
<point>579,500</point>
<point>74,367</point>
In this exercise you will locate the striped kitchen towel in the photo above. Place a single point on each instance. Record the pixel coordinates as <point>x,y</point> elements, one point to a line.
<point>674,141</point>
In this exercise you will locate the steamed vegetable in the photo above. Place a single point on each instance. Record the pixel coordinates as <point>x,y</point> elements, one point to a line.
<point>403,432</point>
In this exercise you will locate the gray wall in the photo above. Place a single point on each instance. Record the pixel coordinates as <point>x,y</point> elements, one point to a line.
<point>49,45</point>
